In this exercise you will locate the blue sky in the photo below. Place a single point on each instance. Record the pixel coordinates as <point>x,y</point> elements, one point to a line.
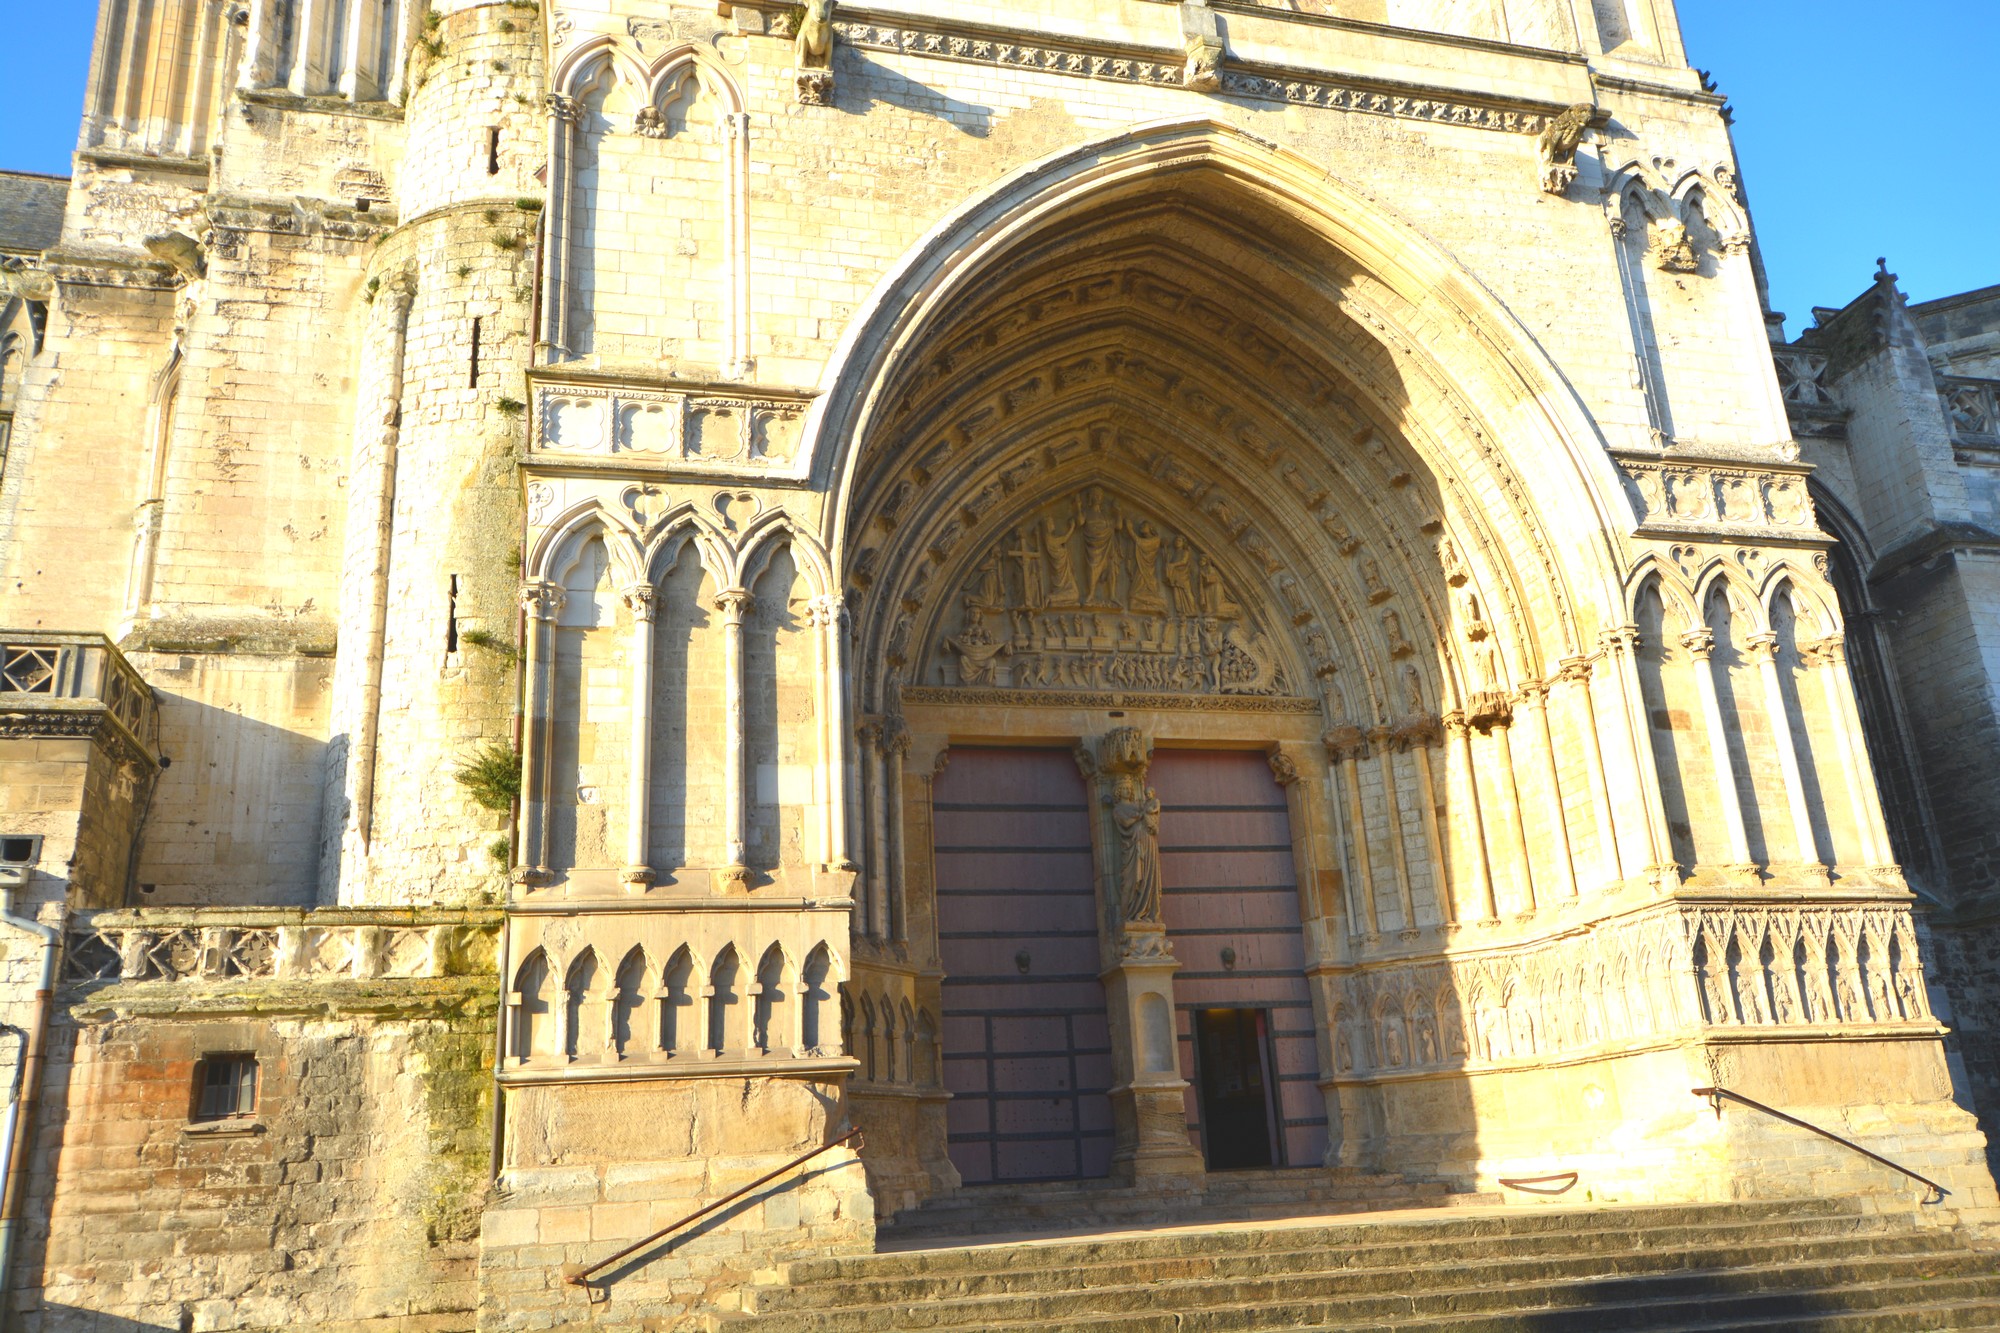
<point>1864,129</point>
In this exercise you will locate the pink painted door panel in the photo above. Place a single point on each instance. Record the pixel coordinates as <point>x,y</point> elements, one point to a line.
<point>1027,1050</point>
<point>1230,884</point>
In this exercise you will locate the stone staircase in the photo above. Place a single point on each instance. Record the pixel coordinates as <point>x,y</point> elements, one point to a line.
<point>1810,1265</point>
<point>1089,1205</point>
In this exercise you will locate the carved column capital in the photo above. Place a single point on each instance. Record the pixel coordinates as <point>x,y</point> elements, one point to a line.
<point>1456,724</point>
<point>1761,648</point>
<point>734,603</point>
<point>1830,651</point>
<point>895,735</point>
<point>1534,694</point>
<point>1576,669</point>
<point>563,108</point>
<point>1345,742</point>
<point>542,600</point>
<point>1700,644</point>
<point>1623,639</point>
<point>869,732</point>
<point>642,599</point>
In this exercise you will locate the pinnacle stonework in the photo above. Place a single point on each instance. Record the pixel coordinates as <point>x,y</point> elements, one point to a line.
<point>600,594</point>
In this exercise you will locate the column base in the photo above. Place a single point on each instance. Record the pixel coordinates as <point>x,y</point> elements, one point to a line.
<point>733,879</point>
<point>1153,1147</point>
<point>638,877</point>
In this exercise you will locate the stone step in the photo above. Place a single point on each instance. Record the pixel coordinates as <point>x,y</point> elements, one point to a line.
<point>1644,1281</point>
<point>1022,1222</point>
<point>988,1205</point>
<point>1832,1236</point>
<point>1336,1233</point>
<point>1960,1303</point>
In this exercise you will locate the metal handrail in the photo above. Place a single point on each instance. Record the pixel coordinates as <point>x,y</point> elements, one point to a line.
<point>1716,1095</point>
<point>581,1277</point>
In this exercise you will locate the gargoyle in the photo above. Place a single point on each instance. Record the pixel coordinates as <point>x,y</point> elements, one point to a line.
<point>180,250</point>
<point>814,48</point>
<point>1558,146</point>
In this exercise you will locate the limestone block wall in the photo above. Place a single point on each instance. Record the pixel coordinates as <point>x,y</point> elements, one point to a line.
<point>348,1198</point>
<point>427,677</point>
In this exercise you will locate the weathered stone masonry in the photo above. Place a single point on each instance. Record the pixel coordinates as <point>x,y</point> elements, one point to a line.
<point>604,592</point>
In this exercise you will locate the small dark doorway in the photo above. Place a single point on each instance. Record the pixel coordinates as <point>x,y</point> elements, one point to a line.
<point>1232,1060</point>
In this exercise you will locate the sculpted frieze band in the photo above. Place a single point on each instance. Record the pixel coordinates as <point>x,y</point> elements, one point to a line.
<point>1681,971</point>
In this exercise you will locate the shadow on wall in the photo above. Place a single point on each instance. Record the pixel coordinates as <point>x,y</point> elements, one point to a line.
<point>777,1199</point>
<point>70,1319</point>
<point>864,82</point>
<point>235,818</point>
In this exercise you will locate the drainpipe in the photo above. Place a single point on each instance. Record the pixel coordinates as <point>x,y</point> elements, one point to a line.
<point>17,1126</point>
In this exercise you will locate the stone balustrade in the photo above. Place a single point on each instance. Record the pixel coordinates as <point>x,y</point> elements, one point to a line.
<point>192,946</point>
<point>47,676</point>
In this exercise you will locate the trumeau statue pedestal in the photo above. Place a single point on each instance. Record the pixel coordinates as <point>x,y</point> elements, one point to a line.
<point>1148,1098</point>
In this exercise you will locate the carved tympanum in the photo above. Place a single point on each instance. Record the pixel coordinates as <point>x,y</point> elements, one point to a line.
<point>1085,596</point>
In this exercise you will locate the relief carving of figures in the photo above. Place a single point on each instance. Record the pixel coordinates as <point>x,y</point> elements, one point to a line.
<point>1083,597</point>
<point>1145,597</point>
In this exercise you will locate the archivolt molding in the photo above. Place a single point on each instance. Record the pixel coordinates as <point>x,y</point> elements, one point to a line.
<point>1334,414</point>
<point>1519,401</point>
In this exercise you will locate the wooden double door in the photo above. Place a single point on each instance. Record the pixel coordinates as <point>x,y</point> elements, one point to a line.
<point>1027,1045</point>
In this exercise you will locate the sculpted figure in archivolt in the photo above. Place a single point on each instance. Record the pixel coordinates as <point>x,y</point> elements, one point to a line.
<point>1137,814</point>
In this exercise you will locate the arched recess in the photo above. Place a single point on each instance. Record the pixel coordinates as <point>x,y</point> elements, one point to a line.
<point>1364,323</point>
<point>588,762</point>
<point>1878,693</point>
<point>620,128</point>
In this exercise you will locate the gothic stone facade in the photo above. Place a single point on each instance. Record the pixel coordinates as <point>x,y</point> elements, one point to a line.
<point>601,593</point>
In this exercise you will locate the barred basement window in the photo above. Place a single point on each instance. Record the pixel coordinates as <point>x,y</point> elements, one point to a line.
<point>225,1087</point>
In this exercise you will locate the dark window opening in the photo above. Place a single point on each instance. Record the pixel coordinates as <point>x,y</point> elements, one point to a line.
<point>225,1087</point>
<point>493,151</point>
<point>451,618</point>
<point>20,851</point>
<point>475,355</point>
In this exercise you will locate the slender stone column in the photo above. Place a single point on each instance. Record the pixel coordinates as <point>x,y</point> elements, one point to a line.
<point>1503,749</point>
<point>1535,700</point>
<point>1460,732</point>
<point>1345,746</point>
<point>824,776</point>
<point>1383,740</point>
<point>349,817</point>
<point>543,602</point>
<point>833,657</point>
<point>892,919</point>
<point>1621,650</point>
<point>1828,661</point>
<point>1700,645</point>
<point>1763,650</point>
<point>734,604</point>
<point>643,601</point>
<point>1577,671</point>
<point>875,801</point>
<point>564,113</point>
<point>1421,740</point>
